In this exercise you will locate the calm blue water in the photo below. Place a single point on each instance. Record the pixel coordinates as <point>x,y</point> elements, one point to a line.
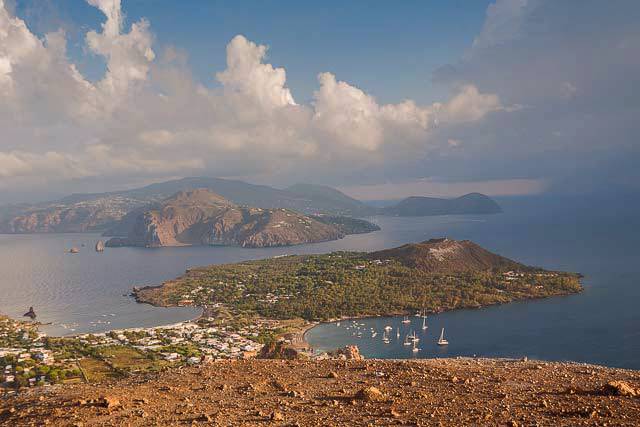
<point>602,325</point>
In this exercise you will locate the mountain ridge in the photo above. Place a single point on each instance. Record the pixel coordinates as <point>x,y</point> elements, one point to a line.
<point>92,212</point>
<point>202,217</point>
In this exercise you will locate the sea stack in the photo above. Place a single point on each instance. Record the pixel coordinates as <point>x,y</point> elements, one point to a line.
<point>100,246</point>
<point>30,313</point>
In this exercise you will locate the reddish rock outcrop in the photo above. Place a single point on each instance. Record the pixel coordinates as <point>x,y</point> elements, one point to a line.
<point>201,217</point>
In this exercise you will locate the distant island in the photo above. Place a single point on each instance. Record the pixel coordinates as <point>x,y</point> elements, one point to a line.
<point>473,203</point>
<point>202,217</point>
<point>105,212</point>
<point>436,275</point>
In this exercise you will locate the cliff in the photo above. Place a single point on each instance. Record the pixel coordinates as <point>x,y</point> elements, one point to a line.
<point>201,217</point>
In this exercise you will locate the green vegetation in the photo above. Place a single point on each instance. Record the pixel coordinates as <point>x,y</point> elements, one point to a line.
<point>321,287</point>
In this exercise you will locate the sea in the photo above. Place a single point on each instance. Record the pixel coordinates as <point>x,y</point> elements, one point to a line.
<point>598,237</point>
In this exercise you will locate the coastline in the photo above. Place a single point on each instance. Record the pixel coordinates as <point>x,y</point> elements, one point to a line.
<point>300,334</point>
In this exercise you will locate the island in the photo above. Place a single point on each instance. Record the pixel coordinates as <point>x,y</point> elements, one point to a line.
<point>472,203</point>
<point>202,217</point>
<point>435,275</point>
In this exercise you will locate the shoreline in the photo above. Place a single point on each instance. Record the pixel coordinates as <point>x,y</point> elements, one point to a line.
<point>302,332</point>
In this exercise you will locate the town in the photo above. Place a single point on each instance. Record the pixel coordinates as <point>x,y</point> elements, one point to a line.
<point>29,358</point>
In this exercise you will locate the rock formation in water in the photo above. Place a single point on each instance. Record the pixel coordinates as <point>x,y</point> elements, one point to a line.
<point>31,313</point>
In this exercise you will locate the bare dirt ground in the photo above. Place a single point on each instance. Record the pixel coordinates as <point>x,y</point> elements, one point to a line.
<point>444,392</point>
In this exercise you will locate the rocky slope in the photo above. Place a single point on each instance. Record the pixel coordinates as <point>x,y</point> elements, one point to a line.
<point>448,256</point>
<point>201,217</point>
<point>68,217</point>
<point>100,211</point>
<point>472,203</point>
<point>442,392</point>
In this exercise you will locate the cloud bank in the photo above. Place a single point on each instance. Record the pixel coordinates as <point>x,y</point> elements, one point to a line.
<point>547,92</point>
<point>147,117</point>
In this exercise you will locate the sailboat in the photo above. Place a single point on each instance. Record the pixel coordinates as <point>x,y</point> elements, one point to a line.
<point>407,341</point>
<point>415,349</point>
<point>424,322</point>
<point>406,319</point>
<point>442,340</point>
<point>397,333</point>
<point>385,337</point>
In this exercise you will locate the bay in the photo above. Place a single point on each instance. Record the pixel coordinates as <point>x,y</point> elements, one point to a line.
<point>598,237</point>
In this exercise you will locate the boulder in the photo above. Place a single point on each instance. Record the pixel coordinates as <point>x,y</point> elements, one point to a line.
<point>619,388</point>
<point>370,394</point>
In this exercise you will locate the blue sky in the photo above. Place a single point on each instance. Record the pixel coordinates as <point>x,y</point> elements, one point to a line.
<point>413,97</point>
<point>360,42</point>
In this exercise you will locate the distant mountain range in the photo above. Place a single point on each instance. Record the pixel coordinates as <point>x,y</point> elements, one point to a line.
<point>202,217</point>
<point>104,211</point>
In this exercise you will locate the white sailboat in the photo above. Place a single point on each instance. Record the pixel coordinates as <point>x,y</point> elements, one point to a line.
<point>397,333</point>
<point>415,349</point>
<point>424,322</point>
<point>385,337</point>
<point>442,340</point>
<point>407,341</point>
<point>406,320</point>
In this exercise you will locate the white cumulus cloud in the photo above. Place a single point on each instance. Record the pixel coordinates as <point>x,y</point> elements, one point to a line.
<point>148,118</point>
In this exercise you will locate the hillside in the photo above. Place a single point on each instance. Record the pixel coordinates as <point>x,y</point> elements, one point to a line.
<point>327,196</point>
<point>473,203</point>
<point>447,256</point>
<point>101,211</point>
<point>201,217</point>
<point>65,217</point>
<point>439,392</point>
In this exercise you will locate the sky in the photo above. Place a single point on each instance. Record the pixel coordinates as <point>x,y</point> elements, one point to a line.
<point>506,97</point>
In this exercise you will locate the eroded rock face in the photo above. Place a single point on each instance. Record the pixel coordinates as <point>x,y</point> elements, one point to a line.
<point>349,352</point>
<point>201,217</point>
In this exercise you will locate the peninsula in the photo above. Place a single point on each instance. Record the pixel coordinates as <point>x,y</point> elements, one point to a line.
<point>202,217</point>
<point>437,275</point>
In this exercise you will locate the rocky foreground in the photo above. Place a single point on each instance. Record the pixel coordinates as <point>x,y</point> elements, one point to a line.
<point>345,393</point>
